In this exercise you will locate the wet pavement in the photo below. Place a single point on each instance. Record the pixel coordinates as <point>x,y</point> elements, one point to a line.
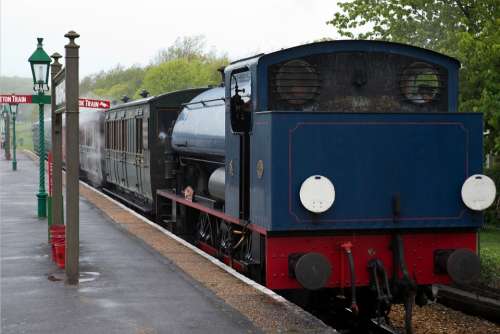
<point>125,286</point>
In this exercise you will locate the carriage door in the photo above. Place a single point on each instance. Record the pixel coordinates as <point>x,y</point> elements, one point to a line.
<point>139,154</point>
<point>238,127</point>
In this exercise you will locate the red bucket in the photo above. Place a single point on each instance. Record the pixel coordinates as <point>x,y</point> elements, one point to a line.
<point>57,235</point>
<point>57,231</point>
<point>60,253</point>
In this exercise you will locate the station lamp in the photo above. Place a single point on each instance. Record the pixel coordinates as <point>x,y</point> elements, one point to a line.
<point>13,110</point>
<point>4,112</point>
<point>40,62</point>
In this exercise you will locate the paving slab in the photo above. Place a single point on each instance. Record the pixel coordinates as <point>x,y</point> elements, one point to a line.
<point>126,286</point>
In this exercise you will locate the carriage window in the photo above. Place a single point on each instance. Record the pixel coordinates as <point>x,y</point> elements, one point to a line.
<point>124,135</point>
<point>145,131</point>
<point>118,135</point>
<point>131,138</point>
<point>113,139</point>
<point>138,132</point>
<point>107,135</point>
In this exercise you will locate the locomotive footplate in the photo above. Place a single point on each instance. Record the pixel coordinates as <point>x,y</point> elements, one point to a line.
<point>167,194</point>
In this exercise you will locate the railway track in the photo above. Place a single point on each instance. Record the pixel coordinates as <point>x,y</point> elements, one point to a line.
<point>473,299</point>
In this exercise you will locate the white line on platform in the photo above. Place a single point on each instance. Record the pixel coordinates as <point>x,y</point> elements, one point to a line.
<point>268,292</point>
<point>218,263</point>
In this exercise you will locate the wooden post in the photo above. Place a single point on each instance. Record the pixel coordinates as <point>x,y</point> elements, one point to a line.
<point>72,160</point>
<point>57,203</point>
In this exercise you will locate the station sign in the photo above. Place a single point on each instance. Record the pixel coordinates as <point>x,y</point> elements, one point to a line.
<point>60,100</point>
<point>92,103</point>
<point>16,99</point>
<point>60,93</point>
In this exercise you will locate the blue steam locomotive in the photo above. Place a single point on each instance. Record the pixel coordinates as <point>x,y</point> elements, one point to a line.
<point>341,167</point>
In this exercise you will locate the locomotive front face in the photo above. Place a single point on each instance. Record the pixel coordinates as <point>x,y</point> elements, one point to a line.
<point>355,137</point>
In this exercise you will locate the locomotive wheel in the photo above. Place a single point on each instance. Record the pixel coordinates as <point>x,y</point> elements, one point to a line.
<point>246,248</point>
<point>205,229</point>
<point>225,238</point>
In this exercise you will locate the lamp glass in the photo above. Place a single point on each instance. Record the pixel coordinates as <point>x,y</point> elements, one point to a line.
<point>40,71</point>
<point>13,109</point>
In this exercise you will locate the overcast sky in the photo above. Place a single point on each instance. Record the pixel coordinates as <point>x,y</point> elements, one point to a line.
<point>131,32</point>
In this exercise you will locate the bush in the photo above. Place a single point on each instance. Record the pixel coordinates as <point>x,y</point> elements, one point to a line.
<point>492,215</point>
<point>490,267</point>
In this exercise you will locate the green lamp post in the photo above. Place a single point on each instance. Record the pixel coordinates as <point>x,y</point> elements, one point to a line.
<point>13,112</point>
<point>5,114</point>
<point>40,62</point>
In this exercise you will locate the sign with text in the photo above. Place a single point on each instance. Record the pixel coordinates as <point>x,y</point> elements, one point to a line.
<point>91,103</point>
<point>16,99</point>
<point>60,92</point>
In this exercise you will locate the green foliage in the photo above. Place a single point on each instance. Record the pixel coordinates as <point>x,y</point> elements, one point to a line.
<point>182,73</point>
<point>490,268</point>
<point>490,255</point>
<point>113,84</point>
<point>183,65</point>
<point>492,214</point>
<point>465,29</point>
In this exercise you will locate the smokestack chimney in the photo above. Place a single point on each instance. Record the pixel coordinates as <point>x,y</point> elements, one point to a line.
<point>144,93</point>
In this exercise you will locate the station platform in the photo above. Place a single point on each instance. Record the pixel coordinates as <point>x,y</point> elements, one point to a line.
<point>134,278</point>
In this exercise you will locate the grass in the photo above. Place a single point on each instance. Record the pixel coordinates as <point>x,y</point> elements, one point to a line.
<point>490,255</point>
<point>490,239</point>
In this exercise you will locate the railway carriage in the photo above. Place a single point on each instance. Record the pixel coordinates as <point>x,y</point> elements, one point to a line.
<point>137,155</point>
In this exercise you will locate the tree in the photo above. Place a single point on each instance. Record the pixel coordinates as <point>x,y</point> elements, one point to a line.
<point>115,83</point>
<point>464,29</point>
<point>182,73</point>
<point>190,47</point>
<point>184,64</point>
